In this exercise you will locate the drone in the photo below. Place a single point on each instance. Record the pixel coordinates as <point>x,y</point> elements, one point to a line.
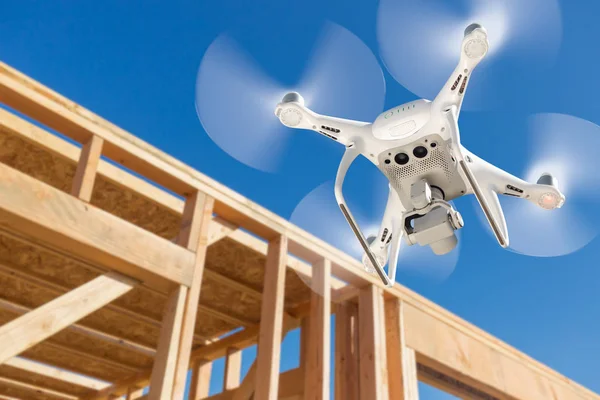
<point>417,147</point>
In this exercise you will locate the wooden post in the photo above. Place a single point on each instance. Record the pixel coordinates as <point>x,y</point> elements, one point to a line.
<point>346,352</point>
<point>85,175</point>
<point>200,384</point>
<point>246,389</point>
<point>373,364</point>
<point>197,216</point>
<point>402,366</point>
<point>269,340</point>
<point>233,369</point>
<point>37,325</point>
<point>163,371</point>
<point>304,335</point>
<point>317,373</point>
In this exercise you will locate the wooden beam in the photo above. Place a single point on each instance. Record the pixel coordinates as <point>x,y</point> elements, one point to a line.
<point>85,175</point>
<point>402,365</point>
<point>317,373</point>
<point>197,217</point>
<point>290,388</point>
<point>373,379</point>
<point>31,208</point>
<point>134,393</point>
<point>28,96</point>
<point>346,352</point>
<point>84,330</point>
<point>35,326</point>
<point>447,350</point>
<point>233,369</point>
<point>304,338</point>
<point>271,320</point>
<point>246,390</point>
<point>237,321</point>
<point>33,367</point>
<point>200,383</point>
<point>163,371</point>
<point>26,387</point>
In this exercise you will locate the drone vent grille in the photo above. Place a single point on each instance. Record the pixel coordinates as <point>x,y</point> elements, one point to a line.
<point>437,160</point>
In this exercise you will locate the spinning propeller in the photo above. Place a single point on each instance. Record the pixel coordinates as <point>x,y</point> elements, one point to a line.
<point>418,43</point>
<point>319,214</point>
<point>564,146</point>
<point>235,97</point>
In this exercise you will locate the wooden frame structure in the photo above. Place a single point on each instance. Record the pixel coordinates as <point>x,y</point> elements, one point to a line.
<point>122,269</point>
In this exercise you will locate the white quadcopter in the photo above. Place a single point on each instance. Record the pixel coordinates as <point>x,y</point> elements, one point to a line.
<point>417,147</point>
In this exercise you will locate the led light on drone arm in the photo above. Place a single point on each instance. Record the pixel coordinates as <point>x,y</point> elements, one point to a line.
<point>473,49</point>
<point>349,156</point>
<point>294,114</point>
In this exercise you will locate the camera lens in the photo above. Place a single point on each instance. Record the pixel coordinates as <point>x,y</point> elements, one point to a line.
<point>420,152</point>
<point>401,158</point>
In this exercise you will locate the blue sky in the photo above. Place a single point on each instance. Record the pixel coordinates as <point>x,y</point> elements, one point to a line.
<point>135,64</point>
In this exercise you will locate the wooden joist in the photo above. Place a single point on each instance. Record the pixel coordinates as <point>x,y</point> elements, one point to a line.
<point>271,321</point>
<point>317,368</point>
<point>35,326</point>
<point>34,209</point>
<point>48,371</point>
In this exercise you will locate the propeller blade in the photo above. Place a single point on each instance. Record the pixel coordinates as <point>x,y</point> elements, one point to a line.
<point>319,214</point>
<point>419,42</point>
<point>236,98</point>
<point>563,146</point>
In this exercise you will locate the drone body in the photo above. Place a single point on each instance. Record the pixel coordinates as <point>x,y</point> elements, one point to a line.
<point>417,147</point>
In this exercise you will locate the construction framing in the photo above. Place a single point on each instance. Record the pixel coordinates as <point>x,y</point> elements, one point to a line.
<point>122,269</point>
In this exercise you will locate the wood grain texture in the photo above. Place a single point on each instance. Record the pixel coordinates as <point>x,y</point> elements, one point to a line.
<point>197,216</point>
<point>233,369</point>
<point>200,381</point>
<point>317,372</point>
<point>31,208</point>
<point>87,168</point>
<point>401,363</point>
<point>37,325</point>
<point>373,363</point>
<point>163,371</point>
<point>269,341</point>
<point>30,367</point>
<point>346,352</point>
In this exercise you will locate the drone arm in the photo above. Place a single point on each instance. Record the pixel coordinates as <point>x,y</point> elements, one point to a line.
<point>507,184</point>
<point>295,115</point>
<point>347,160</point>
<point>473,50</point>
<point>486,196</point>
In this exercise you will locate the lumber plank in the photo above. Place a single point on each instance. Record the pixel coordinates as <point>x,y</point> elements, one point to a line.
<point>32,367</point>
<point>26,387</point>
<point>165,363</point>
<point>271,321</point>
<point>124,343</point>
<point>317,372</point>
<point>197,216</point>
<point>34,209</point>
<point>200,382</point>
<point>402,365</point>
<point>41,323</point>
<point>85,175</point>
<point>373,377</point>
<point>233,369</point>
<point>346,352</point>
